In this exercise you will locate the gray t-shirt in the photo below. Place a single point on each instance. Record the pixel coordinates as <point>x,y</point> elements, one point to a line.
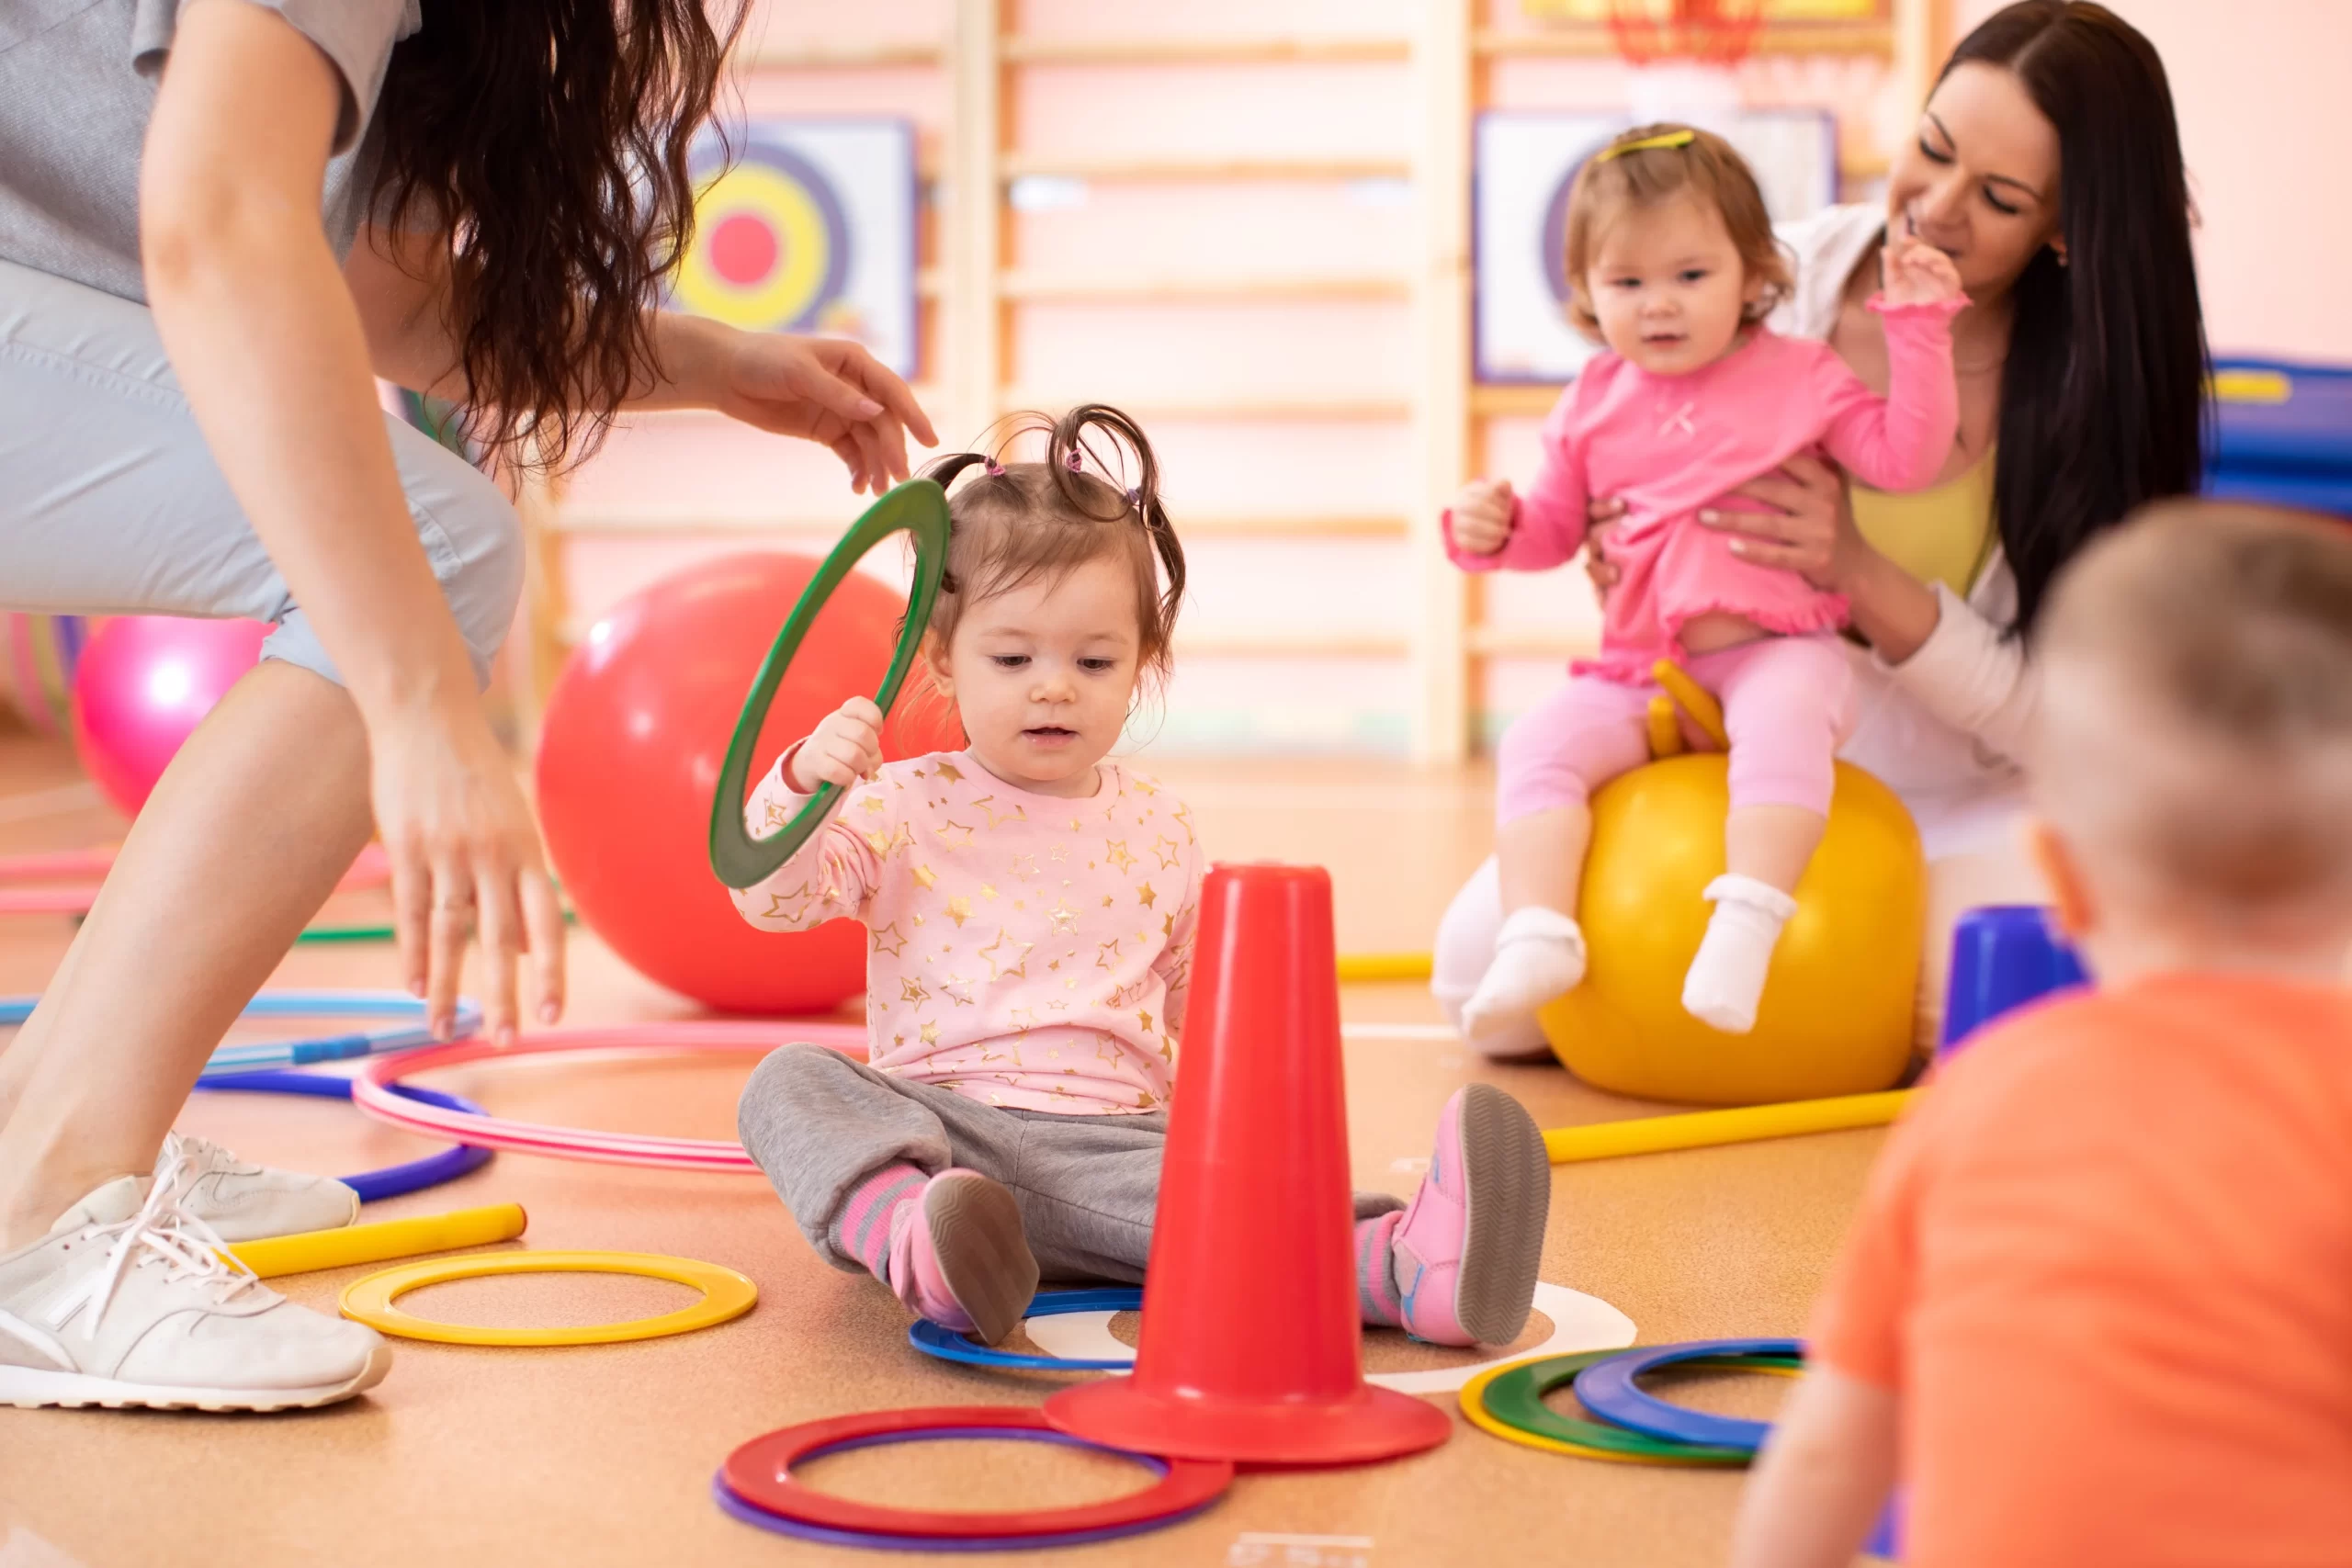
<point>77,84</point>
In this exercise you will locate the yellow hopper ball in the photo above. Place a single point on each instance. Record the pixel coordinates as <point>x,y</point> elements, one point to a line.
<point>1838,1013</point>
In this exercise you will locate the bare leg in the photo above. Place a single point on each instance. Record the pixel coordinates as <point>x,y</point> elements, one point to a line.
<point>1541,857</point>
<point>1773,844</point>
<point>245,836</point>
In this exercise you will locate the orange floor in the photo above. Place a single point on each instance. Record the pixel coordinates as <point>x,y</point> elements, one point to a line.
<point>591,1456</point>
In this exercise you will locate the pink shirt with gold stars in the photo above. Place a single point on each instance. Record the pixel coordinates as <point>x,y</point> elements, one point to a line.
<point>1029,950</point>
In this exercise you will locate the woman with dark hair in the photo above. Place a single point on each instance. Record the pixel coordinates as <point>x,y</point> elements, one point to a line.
<point>2046,164</point>
<point>218,220</point>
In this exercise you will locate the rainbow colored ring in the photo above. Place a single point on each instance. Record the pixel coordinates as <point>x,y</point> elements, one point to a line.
<point>392,1181</point>
<point>376,1091</point>
<point>1508,1402</point>
<point>756,1485</point>
<point>1607,1389</point>
<point>949,1346</point>
<point>918,508</point>
<point>230,1059</point>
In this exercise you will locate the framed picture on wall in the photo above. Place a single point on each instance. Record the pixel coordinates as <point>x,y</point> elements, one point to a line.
<point>1525,162</point>
<point>809,228</point>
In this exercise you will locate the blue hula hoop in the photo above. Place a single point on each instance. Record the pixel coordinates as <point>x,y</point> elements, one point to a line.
<point>949,1346</point>
<point>323,1048</point>
<point>1608,1390</point>
<point>393,1180</point>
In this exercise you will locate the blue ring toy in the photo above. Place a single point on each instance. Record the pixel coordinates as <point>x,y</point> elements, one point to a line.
<point>311,1004</point>
<point>1608,1390</point>
<point>393,1180</point>
<point>949,1346</point>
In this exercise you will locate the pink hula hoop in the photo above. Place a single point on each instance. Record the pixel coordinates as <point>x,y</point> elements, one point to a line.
<point>372,869</point>
<point>372,1090</point>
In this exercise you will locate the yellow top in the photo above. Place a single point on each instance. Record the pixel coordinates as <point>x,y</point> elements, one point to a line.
<point>1942,535</point>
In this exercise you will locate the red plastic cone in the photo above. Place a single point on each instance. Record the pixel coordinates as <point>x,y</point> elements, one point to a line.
<point>1252,1346</point>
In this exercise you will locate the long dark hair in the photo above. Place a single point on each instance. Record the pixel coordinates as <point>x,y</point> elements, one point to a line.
<point>549,138</point>
<point>2103,398</point>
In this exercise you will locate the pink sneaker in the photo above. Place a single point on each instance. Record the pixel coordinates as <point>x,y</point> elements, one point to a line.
<point>1465,1256</point>
<point>959,1256</point>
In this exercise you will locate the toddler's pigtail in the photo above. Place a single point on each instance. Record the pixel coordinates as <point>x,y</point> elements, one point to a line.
<point>1097,435</point>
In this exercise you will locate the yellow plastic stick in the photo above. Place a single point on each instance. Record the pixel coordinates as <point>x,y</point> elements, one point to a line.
<point>1706,1129</point>
<point>382,1241</point>
<point>1356,967</point>
<point>1694,700</point>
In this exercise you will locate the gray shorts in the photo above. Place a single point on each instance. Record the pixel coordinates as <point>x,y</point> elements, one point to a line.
<point>111,503</point>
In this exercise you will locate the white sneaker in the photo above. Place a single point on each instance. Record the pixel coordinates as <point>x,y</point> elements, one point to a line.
<point>245,1202</point>
<point>126,1303</point>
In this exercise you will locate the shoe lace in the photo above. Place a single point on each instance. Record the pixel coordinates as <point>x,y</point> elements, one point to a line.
<point>165,1233</point>
<point>202,1155</point>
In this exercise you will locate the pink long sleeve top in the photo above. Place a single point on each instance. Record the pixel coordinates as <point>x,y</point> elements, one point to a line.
<point>1666,445</point>
<point>1028,951</point>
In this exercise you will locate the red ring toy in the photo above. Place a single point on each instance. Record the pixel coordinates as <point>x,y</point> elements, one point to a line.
<point>760,1472</point>
<point>372,1090</point>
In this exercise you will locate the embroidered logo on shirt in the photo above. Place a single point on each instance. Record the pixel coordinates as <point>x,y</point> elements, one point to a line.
<point>1679,422</point>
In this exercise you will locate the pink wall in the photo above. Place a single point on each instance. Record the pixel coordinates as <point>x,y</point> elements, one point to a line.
<point>2259,86</point>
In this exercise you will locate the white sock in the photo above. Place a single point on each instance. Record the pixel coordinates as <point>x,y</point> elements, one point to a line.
<point>1538,954</point>
<point>1726,980</point>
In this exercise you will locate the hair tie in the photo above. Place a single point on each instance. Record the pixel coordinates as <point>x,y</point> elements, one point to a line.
<point>993,469</point>
<point>1075,461</point>
<point>1660,143</point>
<point>1135,499</point>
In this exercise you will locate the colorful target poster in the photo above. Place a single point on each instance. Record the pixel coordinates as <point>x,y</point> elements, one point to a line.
<point>808,227</point>
<point>1525,163</point>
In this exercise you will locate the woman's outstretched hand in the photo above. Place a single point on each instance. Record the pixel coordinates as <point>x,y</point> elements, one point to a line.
<point>1809,530</point>
<point>828,390</point>
<point>466,860</point>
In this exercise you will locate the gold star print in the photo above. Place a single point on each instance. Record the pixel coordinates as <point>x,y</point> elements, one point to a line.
<point>896,945</point>
<point>1058,854</point>
<point>949,771</point>
<point>779,908</point>
<point>1063,915</point>
<point>948,835</point>
<point>1106,901</point>
<point>925,878</point>
<point>1018,951</point>
<point>958,990</point>
<point>1074,824</point>
<point>1147,897</point>
<point>1023,1019</point>
<point>1057,1007</point>
<point>959,910</point>
<point>1146,1019</point>
<point>1168,925</point>
<point>1025,865</point>
<point>930,1032</point>
<point>872,803</point>
<point>913,991</point>
<point>986,809</point>
<point>1171,853</point>
<point>1143,785</point>
<point>1070,985</point>
<point>1117,854</point>
<point>987,891</point>
<point>1057,963</point>
<point>1106,952</point>
<point>777,815</point>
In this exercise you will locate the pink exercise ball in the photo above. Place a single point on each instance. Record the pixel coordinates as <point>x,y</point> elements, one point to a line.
<point>144,683</point>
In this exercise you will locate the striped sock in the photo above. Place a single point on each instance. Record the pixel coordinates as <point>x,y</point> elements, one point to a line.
<point>862,1230</point>
<point>1376,1282</point>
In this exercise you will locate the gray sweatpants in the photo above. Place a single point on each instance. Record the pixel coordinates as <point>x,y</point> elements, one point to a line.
<point>820,1124</point>
<point>111,503</point>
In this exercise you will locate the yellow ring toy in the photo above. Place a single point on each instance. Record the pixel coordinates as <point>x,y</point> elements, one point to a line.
<point>1473,1398</point>
<point>726,1295</point>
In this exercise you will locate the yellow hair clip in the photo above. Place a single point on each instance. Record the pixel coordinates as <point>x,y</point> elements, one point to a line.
<point>1649,144</point>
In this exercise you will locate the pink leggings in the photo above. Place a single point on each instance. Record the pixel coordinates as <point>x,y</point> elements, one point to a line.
<point>1788,702</point>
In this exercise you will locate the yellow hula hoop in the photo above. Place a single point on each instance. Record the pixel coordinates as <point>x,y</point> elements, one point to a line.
<point>381,1241</point>
<point>726,1295</point>
<point>1358,968</point>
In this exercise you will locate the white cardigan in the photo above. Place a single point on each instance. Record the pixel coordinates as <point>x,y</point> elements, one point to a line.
<point>1944,727</point>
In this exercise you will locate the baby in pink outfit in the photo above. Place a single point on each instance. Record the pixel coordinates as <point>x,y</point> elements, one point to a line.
<point>1031,906</point>
<point>1672,264</point>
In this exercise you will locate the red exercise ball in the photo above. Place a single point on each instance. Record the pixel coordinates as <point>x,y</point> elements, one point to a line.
<point>629,753</point>
<point>143,685</point>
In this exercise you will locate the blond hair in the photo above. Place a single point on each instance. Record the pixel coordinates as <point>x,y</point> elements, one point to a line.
<point>2197,706</point>
<point>1622,176</point>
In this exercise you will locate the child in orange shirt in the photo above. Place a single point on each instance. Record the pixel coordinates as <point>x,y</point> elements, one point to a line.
<point>2099,1305</point>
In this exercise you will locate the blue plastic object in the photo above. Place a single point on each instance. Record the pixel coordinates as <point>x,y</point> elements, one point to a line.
<point>1608,1390</point>
<point>933,1340</point>
<point>2002,957</point>
<point>323,1048</point>
<point>393,1180</point>
<point>2282,434</point>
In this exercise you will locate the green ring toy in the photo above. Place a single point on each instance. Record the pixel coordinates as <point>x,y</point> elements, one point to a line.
<point>1513,1397</point>
<point>918,508</point>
